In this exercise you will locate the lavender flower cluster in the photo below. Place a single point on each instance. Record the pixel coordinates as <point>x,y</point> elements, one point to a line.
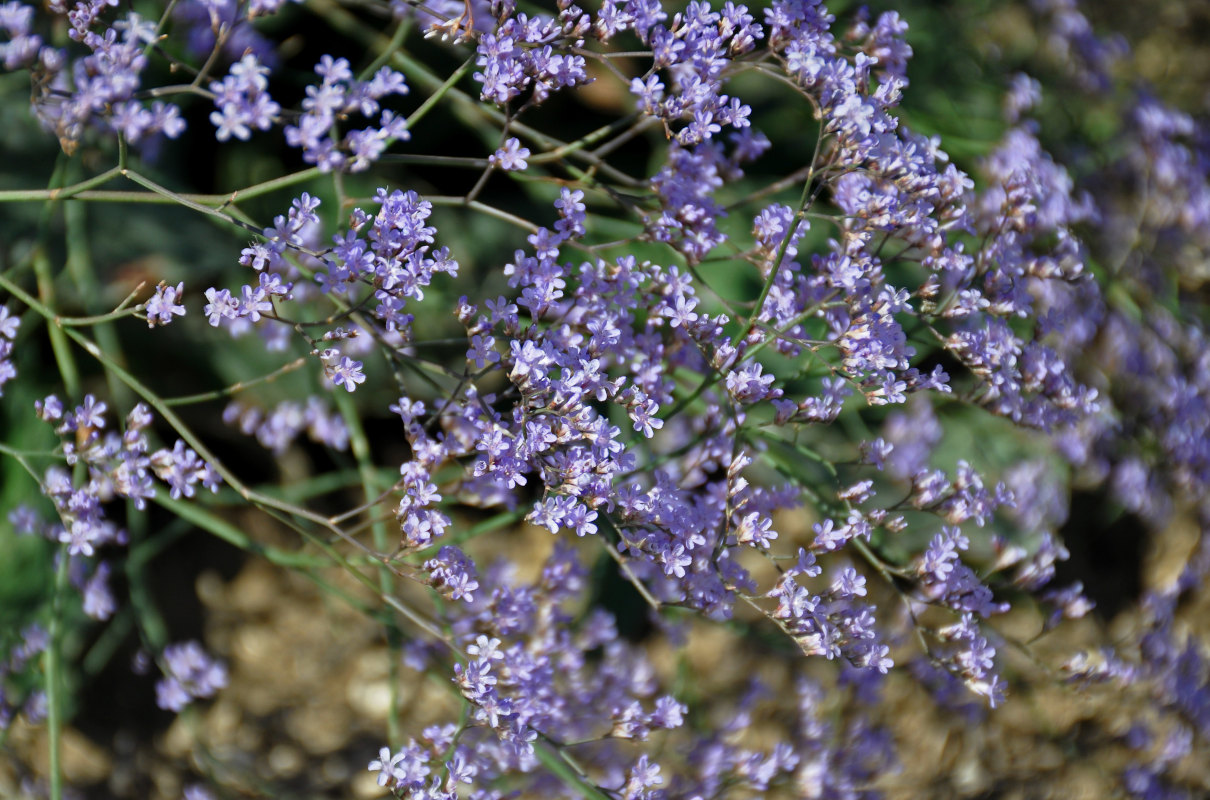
<point>744,422</point>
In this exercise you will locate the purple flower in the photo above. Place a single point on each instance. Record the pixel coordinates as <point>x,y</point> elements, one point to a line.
<point>453,574</point>
<point>8,323</point>
<point>511,156</point>
<point>346,373</point>
<point>99,602</point>
<point>243,101</point>
<point>189,674</point>
<point>163,305</point>
<point>221,306</point>
<point>385,766</point>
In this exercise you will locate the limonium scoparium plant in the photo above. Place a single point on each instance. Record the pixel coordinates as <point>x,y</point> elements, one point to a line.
<point>720,348</point>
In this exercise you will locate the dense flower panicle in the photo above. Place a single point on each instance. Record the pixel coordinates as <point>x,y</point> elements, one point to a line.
<point>339,95</point>
<point>117,465</point>
<point>243,100</point>
<point>97,89</point>
<point>632,407</point>
<point>520,56</point>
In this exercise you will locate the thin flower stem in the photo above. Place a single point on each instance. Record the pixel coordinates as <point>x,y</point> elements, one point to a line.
<point>119,312</point>
<point>464,720</point>
<point>367,505</point>
<point>342,197</point>
<point>436,161</point>
<point>484,177</point>
<point>624,566</point>
<point>283,509</point>
<point>258,189</point>
<point>21,457</point>
<point>150,622</point>
<point>696,273</point>
<point>215,525</point>
<point>238,386</point>
<point>775,267</point>
<point>636,129</point>
<point>370,521</point>
<point>111,196</point>
<point>168,91</point>
<point>103,649</point>
<point>159,27</point>
<point>83,191</point>
<point>46,284</point>
<point>80,267</point>
<point>714,377</point>
<point>790,180</point>
<point>183,200</point>
<point>440,92</point>
<point>401,32</point>
<point>315,486</point>
<point>591,138</point>
<point>147,550</point>
<point>220,39</point>
<point>491,211</point>
<point>886,570</point>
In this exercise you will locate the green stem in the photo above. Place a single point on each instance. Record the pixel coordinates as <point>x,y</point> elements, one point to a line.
<point>800,449</point>
<point>266,187</point>
<point>102,651</point>
<point>207,521</point>
<point>83,191</point>
<point>321,484</point>
<point>185,201</point>
<point>369,483</point>
<point>58,341</point>
<point>401,32</point>
<point>587,139</point>
<point>440,92</point>
<point>20,457</point>
<point>468,108</point>
<point>436,161</point>
<point>568,770</point>
<point>483,208</point>
<point>54,678</point>
<point>120,312</point>
<point>151,622</point>
<point>41,195</point>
